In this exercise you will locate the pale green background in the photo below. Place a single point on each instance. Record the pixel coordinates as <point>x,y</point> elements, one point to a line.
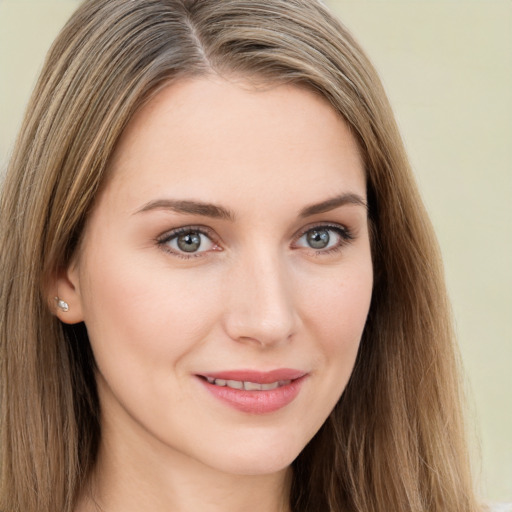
<point>447,66</point>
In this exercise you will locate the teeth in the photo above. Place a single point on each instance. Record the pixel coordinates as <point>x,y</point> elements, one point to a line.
<point>252,386</point>
<point>248,386</point>
<point>272,385</point>
<point>235,384</point>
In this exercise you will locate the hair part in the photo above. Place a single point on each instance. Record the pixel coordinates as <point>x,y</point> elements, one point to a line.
<point>395,441</point>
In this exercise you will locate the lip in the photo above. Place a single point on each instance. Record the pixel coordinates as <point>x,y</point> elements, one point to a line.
<point>257,376</point>
<point>256,401</point>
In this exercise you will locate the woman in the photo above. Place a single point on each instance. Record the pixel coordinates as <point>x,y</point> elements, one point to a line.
<point>220,288</point>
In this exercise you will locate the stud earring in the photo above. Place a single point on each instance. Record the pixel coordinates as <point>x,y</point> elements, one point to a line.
<point>62,305</point>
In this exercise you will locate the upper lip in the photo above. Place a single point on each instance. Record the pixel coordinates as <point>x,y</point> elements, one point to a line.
<point>258,377</point>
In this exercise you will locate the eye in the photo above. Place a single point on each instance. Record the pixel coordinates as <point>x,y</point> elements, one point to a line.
<point>188,241</point>
<point>324,238</point>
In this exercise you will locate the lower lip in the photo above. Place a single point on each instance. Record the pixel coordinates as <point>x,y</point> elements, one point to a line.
<point>256,402</point>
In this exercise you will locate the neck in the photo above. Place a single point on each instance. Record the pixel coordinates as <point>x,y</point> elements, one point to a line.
<point>130,491</point>
<point>129,478</point>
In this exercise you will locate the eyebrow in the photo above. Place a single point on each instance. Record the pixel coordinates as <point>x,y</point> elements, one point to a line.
<point>219,212</point>
<point>189,207</point>
<point>333,203</point>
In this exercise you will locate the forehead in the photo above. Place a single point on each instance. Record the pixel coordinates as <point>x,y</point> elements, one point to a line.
<point>211,135</point>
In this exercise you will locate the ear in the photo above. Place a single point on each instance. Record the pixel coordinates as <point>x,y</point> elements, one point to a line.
<point>66,292</point>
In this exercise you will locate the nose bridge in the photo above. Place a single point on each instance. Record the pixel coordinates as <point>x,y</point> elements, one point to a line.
<point>260,306</point>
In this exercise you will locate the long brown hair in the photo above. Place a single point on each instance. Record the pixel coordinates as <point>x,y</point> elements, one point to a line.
<point>395,441</point>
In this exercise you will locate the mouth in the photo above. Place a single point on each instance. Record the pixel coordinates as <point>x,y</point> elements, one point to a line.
<point>255,392</point>
<point>247,385</point>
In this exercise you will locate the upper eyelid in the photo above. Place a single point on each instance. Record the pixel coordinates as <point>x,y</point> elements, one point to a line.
<point>204,230</point>
<point>209,231</point>
<point>333,225</point>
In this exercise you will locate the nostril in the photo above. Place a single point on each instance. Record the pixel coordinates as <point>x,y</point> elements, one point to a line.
<point>259,306</point>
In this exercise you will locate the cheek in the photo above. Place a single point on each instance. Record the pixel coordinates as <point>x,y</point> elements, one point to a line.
<point>138,314</point>
<point>336,305</point>
<point>335,315</point>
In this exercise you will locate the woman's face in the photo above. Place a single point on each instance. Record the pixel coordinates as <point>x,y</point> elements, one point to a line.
<point>229,249</point>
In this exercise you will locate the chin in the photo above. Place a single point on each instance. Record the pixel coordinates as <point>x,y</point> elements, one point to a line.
<point>258,458</point>
<point>263,464</point>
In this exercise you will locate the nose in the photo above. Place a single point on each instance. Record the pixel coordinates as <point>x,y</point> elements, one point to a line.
<point>260,308</point>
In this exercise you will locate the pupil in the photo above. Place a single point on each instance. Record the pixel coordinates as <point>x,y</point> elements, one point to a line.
<point>318,238</point>
<point>189,242</point>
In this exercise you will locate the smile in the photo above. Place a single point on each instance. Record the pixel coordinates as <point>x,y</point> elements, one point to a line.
<point>255,392</point>
<point>247,385</point>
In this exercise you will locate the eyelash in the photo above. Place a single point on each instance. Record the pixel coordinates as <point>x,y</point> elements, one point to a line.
<point>163,240</point>
<point>344,233</point>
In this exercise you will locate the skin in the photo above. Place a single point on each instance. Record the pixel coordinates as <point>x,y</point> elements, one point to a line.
<point>255,295</point>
